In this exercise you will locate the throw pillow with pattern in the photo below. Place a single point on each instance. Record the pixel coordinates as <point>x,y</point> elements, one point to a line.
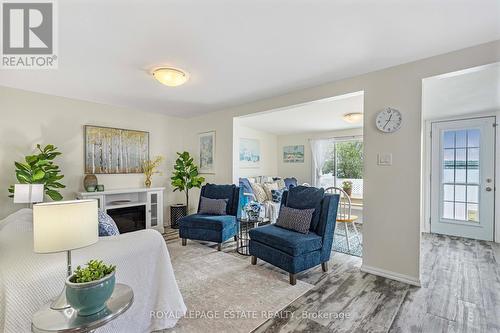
<point>212,206</point>
<point>107,226</point>
<point>268,187</point>
<point>295,219</point>
<point>258,192</point>
<point>277,194</point>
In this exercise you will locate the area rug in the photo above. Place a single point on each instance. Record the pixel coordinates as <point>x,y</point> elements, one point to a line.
<point>355,246</point>
<point>224,293</point>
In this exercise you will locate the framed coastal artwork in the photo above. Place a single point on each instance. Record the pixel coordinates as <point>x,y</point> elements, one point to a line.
<point>293,154</point>
<point>249,153</point>
<point>115,150</point>
<point>207,152</point>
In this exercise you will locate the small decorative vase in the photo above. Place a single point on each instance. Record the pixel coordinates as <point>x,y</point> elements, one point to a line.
<point>90,297</point>
<point>90,188</point>
<point>148,182</point>
<point>89,180</point>
<point>348,191</point>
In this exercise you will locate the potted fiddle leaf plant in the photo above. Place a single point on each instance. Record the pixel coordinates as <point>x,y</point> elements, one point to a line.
<point>186,176</point>
<point>347,187</point>
<point>88,288</point>
<point>41,169</point>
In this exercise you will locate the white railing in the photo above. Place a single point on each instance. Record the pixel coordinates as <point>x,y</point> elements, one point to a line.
<point>357,184</point>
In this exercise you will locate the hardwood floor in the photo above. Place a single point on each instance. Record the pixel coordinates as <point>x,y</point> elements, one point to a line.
<point>460,293</point>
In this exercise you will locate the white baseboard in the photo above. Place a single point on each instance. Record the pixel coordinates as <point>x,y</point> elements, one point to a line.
<point>391,275</point>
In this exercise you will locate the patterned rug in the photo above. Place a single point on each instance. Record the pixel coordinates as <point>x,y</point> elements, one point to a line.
<point>355,246</point>
<point>224,292</point>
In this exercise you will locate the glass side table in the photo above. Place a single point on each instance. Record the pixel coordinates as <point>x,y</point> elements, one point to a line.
<point>65,321</point>
<point>244,227</point>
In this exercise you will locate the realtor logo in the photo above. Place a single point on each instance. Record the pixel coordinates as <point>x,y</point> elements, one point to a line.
<point>28,34</point>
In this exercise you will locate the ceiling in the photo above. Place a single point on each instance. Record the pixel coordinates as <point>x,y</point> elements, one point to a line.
<point>317,116</point>
<point>240,51</point>
<point>474,90</point>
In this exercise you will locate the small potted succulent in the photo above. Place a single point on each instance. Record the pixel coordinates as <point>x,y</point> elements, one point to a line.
<point>88,288</point>
<point>347,187</point>
<point>253,210</point>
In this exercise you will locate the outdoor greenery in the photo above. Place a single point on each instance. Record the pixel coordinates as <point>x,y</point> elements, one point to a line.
<point>94,271</point>
<point>185,175</point>
<point>349,160</point>
<point>40,169</point>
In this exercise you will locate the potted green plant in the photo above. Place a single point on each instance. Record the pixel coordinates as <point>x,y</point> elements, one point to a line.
<point>347,187</point>
<point>185,176</point>
<point>88,288</point>
<point>40,169</point>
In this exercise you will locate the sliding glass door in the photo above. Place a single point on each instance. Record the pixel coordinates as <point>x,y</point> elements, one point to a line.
<point>343,163</point>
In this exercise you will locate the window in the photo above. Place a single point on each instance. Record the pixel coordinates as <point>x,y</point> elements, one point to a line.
<point>460,175</point>
<point>344,162</point>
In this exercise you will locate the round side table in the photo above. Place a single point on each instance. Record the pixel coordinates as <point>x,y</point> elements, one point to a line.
<point>244,227</point>
<point>47,320</point>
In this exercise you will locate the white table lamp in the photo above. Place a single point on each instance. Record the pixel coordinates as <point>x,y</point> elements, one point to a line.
<point>64,226</point>
<point>28,193</point>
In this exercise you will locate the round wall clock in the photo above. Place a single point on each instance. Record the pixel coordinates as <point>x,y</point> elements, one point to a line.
<point>389,120</point>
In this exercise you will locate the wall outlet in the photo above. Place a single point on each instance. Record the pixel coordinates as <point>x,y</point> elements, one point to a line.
<point>384,159</point>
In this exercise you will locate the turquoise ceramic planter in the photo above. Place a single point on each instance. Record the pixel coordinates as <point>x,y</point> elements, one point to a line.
<point>90,297</point>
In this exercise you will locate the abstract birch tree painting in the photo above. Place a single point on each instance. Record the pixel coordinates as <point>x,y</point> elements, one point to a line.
<point>114,150</point>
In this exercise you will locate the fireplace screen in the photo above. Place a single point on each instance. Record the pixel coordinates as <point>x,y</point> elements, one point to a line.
<point>129,219</point>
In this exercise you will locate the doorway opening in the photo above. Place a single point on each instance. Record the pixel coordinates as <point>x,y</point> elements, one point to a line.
<point>319,143</point>
<point>460,155</point>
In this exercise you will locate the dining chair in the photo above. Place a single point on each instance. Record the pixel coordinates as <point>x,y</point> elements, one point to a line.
<point>344,215</point>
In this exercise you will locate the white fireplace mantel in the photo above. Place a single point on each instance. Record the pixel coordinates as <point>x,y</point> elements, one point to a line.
<point>151,198</point>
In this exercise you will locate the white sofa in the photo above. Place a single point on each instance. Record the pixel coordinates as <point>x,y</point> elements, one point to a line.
<point>29,280</point>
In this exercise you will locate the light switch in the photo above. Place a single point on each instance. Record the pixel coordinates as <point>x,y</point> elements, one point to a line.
<point>384,159</point>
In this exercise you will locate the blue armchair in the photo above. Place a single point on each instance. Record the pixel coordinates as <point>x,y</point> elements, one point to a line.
<point>292,251</point>
<point>212,228</point>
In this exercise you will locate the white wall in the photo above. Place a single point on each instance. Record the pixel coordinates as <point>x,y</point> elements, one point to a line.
<point>303,171</point>
<point>268,165</point>
<point>391,194</point>
<point>29,118</point>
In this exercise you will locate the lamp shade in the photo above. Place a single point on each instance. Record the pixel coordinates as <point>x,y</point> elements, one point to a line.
<point>64,225</point>
<point>28,193</point>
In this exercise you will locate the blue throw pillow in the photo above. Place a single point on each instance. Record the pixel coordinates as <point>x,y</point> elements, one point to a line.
<point>107,227</point>
<point>277,194</point>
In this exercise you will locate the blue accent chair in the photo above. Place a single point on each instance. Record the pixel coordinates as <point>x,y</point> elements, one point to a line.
<point>292,251</point>
<point>213,228</point>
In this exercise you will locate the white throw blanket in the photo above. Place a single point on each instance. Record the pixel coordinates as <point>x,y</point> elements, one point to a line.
<point>29,280</point>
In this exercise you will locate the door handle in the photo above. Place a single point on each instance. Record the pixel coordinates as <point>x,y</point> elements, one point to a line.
<point>488,189</point>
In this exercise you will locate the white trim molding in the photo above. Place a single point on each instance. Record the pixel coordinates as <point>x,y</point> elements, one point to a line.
<point>391,275</point>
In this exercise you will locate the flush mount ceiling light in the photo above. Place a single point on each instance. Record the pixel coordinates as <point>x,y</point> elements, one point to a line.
<point>171,77</point>
<point>353,118</point>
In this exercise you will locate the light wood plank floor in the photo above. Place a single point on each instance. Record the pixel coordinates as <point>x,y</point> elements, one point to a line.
<point>460,293</point>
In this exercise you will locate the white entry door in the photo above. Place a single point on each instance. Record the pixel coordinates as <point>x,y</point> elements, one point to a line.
<point>462,178</point>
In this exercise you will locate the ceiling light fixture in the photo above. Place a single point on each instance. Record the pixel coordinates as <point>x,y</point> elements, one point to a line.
<point>171,77</point>
<point>353,118</point>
